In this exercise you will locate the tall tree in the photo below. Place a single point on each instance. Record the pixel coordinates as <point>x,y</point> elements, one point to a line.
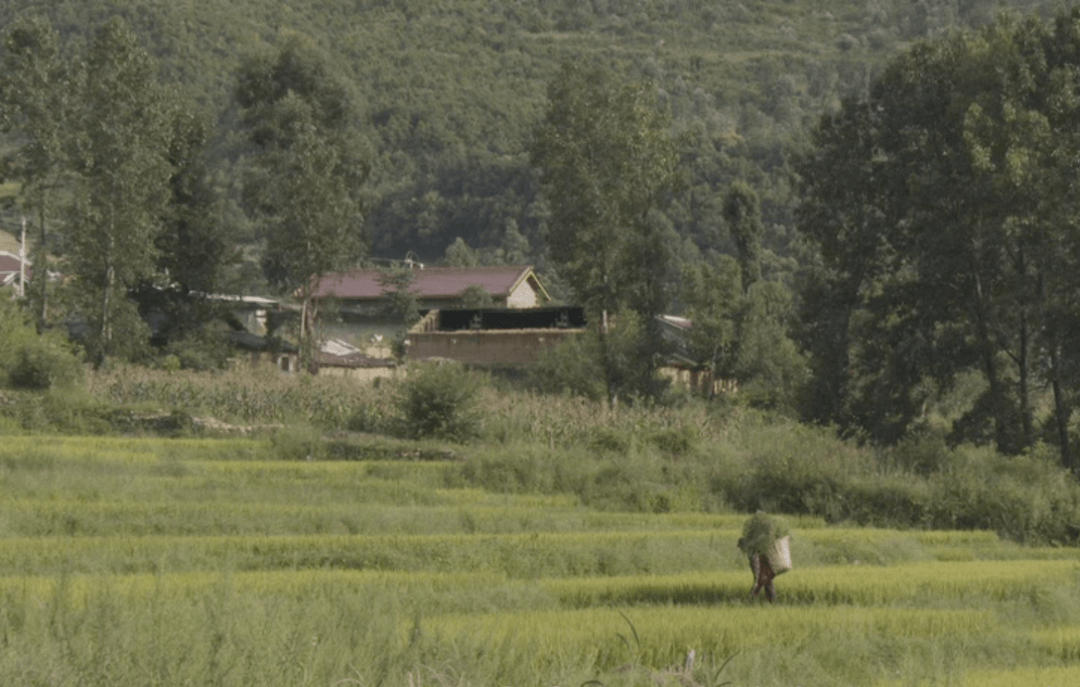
<point>742,211</point>
<point>713,297</point>
<point>122,190</point>
<point>840,213</point>
<point>944,212</point>
<point>195,246</point>
<point>607,163</point>
<point>35,108</point>
<point>306,190</point>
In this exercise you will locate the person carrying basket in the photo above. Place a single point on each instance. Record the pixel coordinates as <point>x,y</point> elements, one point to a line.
<point>767,543</point>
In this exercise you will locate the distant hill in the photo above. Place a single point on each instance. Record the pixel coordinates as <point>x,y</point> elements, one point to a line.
<point>452,90</point>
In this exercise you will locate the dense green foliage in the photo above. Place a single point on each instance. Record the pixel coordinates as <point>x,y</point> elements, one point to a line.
<point>440,402</point>
<point>29,361</point>
<point>305,190</point>
<point>452,94</point>
<point>943,208</point>
<point>401,126</point>
<point>608,164</point>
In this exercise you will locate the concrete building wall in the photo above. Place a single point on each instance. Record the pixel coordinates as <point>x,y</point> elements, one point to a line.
<point>524,296</point>
<point>492,347</point>
<point>360,374</point>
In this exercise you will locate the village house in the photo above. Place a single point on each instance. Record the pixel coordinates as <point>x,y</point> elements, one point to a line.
<point>492,337</point>
<point>682,369</point>
<point>337,358</point>
<point>352,304</point>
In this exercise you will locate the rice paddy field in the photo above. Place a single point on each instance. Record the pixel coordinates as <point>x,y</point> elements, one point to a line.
<point>130,561</point>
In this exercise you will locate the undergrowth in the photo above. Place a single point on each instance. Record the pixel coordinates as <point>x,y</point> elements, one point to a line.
<point>696,457</point>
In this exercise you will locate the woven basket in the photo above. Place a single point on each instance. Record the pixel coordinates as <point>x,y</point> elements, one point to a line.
<point>779,555</point>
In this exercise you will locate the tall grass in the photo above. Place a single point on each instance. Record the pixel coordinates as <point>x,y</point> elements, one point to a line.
<point>257,395</point>
<point>130,561</point>
<point>696,457</point>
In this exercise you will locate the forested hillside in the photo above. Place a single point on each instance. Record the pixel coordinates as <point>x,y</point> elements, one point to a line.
<point>452,91</point>
<point>893,261</point>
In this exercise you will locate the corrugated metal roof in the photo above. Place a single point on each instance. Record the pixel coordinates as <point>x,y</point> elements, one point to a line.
<point>429,282</point>
<point>676,321</point>
<point>338,347</point>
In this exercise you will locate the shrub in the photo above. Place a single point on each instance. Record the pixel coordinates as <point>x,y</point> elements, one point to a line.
<point>440,402</point>
<point>922,452</point>
<point>15,332</point>
<point>676,441</point>
<point>571,368</point>
<point>70,411</point>
<point>298,443</point>
<point>810,481</point>
<point>603,439</point>
<point>1026,498</point>
<point>44,366</point>
<point>30,361</point>
<point>205,349</point>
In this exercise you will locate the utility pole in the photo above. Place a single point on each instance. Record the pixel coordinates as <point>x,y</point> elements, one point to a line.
<point>22,260</point>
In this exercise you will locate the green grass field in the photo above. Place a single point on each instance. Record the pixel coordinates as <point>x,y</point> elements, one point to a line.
<point>209,562</point>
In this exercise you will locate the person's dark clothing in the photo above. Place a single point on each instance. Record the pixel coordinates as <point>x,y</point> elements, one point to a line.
<point>763,576</point>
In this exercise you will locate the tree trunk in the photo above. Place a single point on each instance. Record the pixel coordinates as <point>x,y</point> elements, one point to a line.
<point>605,355</point>
<point>986,346</point>
<point>105,333</point>
<point>1061,409</point>
<point>1061,406</point>
<point>1023,356</point>
<point>1024,381</point>
<point>42,271</point>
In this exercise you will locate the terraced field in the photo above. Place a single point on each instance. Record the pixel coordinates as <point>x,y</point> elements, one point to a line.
<point>198,562</point>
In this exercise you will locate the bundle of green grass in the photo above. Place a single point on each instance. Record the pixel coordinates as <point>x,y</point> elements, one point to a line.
<point>767,535</point>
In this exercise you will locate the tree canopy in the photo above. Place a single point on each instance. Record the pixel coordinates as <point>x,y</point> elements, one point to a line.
<point>305,189</point>
<point>944,210</point>
<point>608,164</point>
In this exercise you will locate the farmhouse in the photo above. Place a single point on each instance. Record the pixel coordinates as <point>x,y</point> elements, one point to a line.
<point>364,290</point>
<point>353,304</point>
<point>681,368</point>
<point>495,337</point>
<point>340,359</point>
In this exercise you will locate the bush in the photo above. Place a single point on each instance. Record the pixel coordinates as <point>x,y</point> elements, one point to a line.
<point>1026,498</point>
<point>44,366</point>
<point>440,402</point>
<point>922,452</point>
<point>298,443</point>
<point>66,412</point>
<point>30,361</point>
<point>676,441</point>
<point>812,477</point>
<point>604,439</point>
<point>571,368</point>
<point>206,349</point>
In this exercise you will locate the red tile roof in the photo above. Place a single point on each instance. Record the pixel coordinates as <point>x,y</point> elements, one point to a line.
<point>429,282</point>
<point>9,268</point>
